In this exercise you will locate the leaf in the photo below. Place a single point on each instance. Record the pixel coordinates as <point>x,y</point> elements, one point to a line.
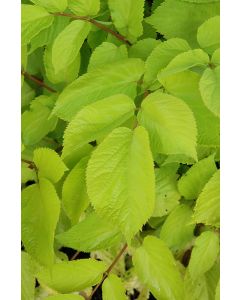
<point>143,48</point>
<point>161,57</point>
<point>212,279</point>
<point>65,297</point>
<point>34,19</point>
<point>185,85</point>
<point>68,43</point>
<point>120,179</point>
<point>52,5</point>
<point>83,7</point>
<point>97,120</point>
<point>66,75</point>
<point>184,61</point>
<point>170,124</point>
<point>49,164</point>
<point>217,295</point>
<point>167,195</point>
<point>36,122</point>
<point>192,182</point>
<point>27,174</point>
<point>177,231</point>
<point>216,57</point>
<point>74,192</point>
<point>207,209</point>
<point>91,234</point>
<point>127,16</point>
<point>156,267</point>
<point>27,277</point>
<point>120,77</point>
<point>204,254</point>
<point>40,213</point>
<point>106,53</point>
<point>208,35</point>
<point>209,86</point>
<point>113,289</point>
<point>195,289</point>
<point>171,19</point>
<point>72,276</point>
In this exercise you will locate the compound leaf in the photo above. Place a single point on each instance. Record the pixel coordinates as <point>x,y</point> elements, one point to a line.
<point>120,179</point>
<point>113,289</point>
<point>170,124</point>
<point>156,267</point>
<point>72,276</point>
<point>40,213</point>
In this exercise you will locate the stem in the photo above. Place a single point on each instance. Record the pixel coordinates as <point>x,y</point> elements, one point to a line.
<point>30,163</point>
<point>74,255</point>
<point>37,81</point>
<point>95,23</point>
<point>108,270</point>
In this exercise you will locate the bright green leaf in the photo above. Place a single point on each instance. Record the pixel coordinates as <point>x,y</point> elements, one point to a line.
<point>83,7</point>
<point>120,77</point>
<point>40,213</point>
<point>72,276</point>
<point>52,5</point>
<point>67,45</point>
<point>170,124</point>
<point>127,16</point>
<point>216,57</point>
<point>156,267</point>
<point>49,164</point>
<point>89,235</point>
<point>96,120</point>
<point>113,289</point>
<point>27,277</point>
<point>143,48</point>
<point>192,182</point>
<point>74,194</point>
<point>34,20</point>
<point>120,179</point>
<point>207,209</point>
<point>208,34</point>
<point>204,254</point>
<point>209,86</point>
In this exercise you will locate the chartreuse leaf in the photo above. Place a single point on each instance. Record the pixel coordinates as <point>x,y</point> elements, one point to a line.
<point>208,34</point>
<point>212,279</point>
<point>184,61</point>
<point>209,86</point>
<point>216,57</point>
<point>76,156</point>
<point>127,16</point>
<point>161,57</point>
<point>204,254</point>
<point>170,124</point>
<point>72,276</point>
<point>74,194</point>
<point>185,85</point>
<point>113,289</point>
<point>83,7</point>
<point>171,19</point>
<point>34,20</point>
<point>67,45</point>
<point>156,267</point>
<point>177,230</point>
<point>207,209</point>
<point>120,179</point>
<point>106,53</point>
<point>201,1</point>
<point>40,213</point>
<point>65,297</point>
<point>192,182</point>
<point>119,77</point>
<point>96,120</point>
<point>66,75</point>
<point>27,277</point>
<point>167,195</point>
<point>143,48</point>
<point>36,122</point>
<point>27,174</point>
<point>91,234</point>
<point>52,5</point>
<point>217,295</point>
<point>49,164</point>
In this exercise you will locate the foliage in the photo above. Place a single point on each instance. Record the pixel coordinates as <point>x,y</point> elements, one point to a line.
<point>120,149</point>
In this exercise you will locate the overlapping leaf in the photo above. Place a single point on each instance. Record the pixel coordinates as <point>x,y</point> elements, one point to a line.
<point>52,5</point>
<point>83,7</point>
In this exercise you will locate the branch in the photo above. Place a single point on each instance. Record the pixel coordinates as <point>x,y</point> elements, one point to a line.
<point>30,163</point>
<point>95,23</point>
<point>37,81</point>
<point>109,270</point>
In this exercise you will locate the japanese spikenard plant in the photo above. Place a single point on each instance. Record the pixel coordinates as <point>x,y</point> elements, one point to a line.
<point>120,149</point>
